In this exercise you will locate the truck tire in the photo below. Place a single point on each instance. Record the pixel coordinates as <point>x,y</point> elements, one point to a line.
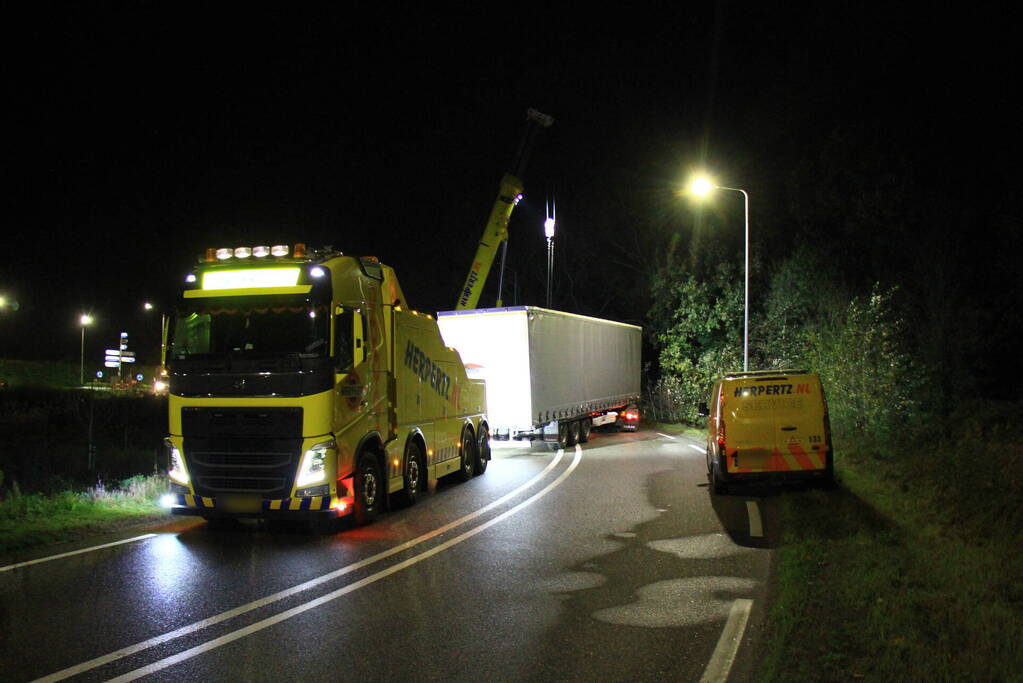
<point>413,472</point>
<point>467,456</point>
<point>585,427</point>
<point>369,489</point>
<point>573,432</point>
<point>482,451</point>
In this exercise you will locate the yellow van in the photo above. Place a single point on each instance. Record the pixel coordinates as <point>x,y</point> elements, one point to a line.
<point>767,425</point>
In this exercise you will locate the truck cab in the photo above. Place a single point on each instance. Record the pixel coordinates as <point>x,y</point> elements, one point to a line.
<point>289,397</point>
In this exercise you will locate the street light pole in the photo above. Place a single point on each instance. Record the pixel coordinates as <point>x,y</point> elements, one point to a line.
<point>702,186</point>
<point>745,321</point>
<point>548,229</point>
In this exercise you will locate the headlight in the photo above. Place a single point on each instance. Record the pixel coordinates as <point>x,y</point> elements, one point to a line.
<point>313,469</point>
<point>177,471</point>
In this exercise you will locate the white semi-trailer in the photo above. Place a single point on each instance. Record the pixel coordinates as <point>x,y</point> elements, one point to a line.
<point>548,373</point>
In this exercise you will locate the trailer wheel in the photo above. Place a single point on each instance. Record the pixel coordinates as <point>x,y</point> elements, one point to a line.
<point>564,437</point>
<point>573,432</point>
<point>585,426</point>
<point>483,451</point>
<point>413,472</point>
<point>467,455</point>
<point>369,489</point>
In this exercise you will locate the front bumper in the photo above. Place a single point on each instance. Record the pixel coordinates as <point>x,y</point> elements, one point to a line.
<point>318,507</point>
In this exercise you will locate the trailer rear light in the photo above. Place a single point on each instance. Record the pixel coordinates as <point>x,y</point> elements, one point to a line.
<point>261,251</point>
<point>224,253</point>
<point>242,252</point>
<point>279,250</point>
<point>299,250</point>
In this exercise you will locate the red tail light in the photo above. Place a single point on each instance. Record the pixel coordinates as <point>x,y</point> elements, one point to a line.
<point>631,416</point>
<point>721,420</point>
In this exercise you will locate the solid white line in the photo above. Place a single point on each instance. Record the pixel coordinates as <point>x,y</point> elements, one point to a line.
<point>275,597</point>
<point>721,660</point>
<point>666,436</point>
<point>755,526</point>
<point>373,578</point>
<point>695,447</point>
<point>76,552</point>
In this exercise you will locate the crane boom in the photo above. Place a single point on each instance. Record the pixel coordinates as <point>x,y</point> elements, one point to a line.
<point>495,233</point>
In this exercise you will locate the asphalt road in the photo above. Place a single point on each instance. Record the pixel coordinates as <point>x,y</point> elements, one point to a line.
<point>611,561</point>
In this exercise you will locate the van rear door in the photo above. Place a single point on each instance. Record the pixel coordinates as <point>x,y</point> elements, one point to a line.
<point>799,424</point>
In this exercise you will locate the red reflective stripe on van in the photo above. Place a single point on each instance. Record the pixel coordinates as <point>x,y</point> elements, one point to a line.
<point>802,458</point>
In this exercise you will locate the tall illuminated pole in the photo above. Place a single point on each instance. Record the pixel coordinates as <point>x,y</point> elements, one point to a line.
<point>701,187</point>
<point>548,229</point>
<point>84,321</point>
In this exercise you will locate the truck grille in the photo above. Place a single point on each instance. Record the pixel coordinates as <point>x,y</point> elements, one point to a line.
<point>242,450</point>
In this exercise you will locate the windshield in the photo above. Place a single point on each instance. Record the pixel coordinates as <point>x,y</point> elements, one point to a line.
<point>251,327</point>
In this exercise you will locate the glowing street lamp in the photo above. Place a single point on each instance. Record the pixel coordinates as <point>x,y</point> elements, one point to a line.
<point>702,186</point>
<point>85,320</point>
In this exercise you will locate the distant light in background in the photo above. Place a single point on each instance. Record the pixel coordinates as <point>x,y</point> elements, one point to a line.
<point>147,306</point>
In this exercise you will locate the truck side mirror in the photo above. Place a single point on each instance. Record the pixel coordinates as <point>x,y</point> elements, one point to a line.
<point>701,409</point>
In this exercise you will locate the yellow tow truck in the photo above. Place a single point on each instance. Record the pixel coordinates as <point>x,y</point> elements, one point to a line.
<point>302,386</point>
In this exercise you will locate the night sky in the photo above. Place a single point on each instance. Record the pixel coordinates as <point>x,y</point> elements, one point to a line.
<point>141,133</point>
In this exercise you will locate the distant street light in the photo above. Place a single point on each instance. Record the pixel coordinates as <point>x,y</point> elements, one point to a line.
<point>701,186</point>
<point>85,320</point>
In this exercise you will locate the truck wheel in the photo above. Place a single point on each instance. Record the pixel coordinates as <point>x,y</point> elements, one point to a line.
<point>573,432</point>
<point>413,472</point>
<point>483,451</point>
<point>468,456</point>
<point>369,489</point>
<point>585,426</point>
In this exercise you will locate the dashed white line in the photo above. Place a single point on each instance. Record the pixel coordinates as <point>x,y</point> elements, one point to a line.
<point>666,436</point>
<point>756,527</point>
<point>76,552</point>
<point>697,448</point>
<point>721,660</point>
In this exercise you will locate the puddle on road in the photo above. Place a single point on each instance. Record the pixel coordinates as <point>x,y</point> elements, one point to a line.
<point>679,602</point>
<point>708,546</point>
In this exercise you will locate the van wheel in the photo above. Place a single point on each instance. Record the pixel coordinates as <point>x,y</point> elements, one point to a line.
<point>828,481</point>
<point>483,451</point>
<point>467,457</point>
<point>717,485</point>
<point>369,489</point>
<point>585,426</point>
<point>413,473</point>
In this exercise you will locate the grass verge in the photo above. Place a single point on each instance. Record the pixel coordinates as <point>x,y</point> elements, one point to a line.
<point>910,571</point>
<point>30,520</point>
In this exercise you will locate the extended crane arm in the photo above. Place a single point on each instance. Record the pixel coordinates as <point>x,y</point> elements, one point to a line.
<point>496,231</point>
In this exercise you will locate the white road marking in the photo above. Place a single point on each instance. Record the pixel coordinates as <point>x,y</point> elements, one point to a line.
<point>666,436</point>
<point>756,528</point>
<point>275,597</point>
<point>723,657</point>
<point>695,447</point>
<point>373,578</point>
<point>76,552</point>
